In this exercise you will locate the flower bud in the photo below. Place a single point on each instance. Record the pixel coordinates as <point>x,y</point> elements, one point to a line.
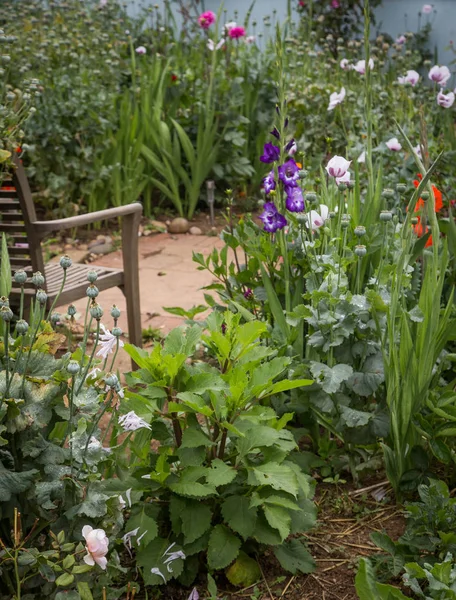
<point>360,251</point>
<point>401,188</point>
<point>92,291</point>
<point>115,312</point>
<point>311,197</point>
<point>22,327</point>
<point>41,297</point>
<point>20,277</point>
<point>111,380</point>
<point>388,193</point>
<point>303,173</point>
<point>359,231</point>
<point>342,186</point>
<point>73,367</point>
<point>302,218</point>
<point>414,220</point>
<point>38,279</point>
<point>55,318</point>
<point>96,311</point>
<point>116,331</point>
<point>332,214</point>
<point>425,195</point>
<point>6,314</point>
<point>71,310</point>
<point>92,276</point>
<point>386,216</point>
<point>65,262</point>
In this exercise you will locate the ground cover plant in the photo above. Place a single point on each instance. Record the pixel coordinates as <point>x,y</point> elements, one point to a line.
<point>327,355</point>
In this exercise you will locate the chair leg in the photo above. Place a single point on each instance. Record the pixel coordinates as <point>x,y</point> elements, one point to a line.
<point>130,227</point>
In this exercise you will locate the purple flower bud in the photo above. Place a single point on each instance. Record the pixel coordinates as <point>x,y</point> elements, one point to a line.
<point>269,183</point>
<point>275,133</point>
<point>270,154</point>
<point>248,294</point>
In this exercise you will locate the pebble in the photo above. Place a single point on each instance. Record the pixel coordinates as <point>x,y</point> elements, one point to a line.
<point>179,225</point>
<point>195,231</point>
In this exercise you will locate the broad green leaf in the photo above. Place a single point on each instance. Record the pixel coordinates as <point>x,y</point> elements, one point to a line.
<point>12,483</point>
<point>220,473</point>
<point>193,489</point>
<point>196,520</point>
<point>279,518</point>
<point>194,438</point>
<point>238,514</point>
<point>329,378</point>
<point>84,591</point>
<point>143,520</point>
<point>244,571</point>
<point>279,477</point>
<point>154,556</point>
<point>223,547</point>
<point>64,580</point>
<point>294,557</point>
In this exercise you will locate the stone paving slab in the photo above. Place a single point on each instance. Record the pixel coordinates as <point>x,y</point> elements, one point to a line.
<point>167,277</point>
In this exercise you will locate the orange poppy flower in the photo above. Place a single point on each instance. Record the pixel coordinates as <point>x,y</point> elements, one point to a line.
<point>437,196</point>
<point>420,231</point>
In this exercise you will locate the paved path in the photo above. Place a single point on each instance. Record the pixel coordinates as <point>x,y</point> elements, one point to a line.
<point>167,277</point>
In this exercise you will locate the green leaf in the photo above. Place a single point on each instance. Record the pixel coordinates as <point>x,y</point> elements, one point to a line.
<point>64,579</point>
<point>244,571</point>
<point>330,379</point>
<point>144,520</point>
<point>68,561</point>
<point>192,489</point>
<point>274,303</point>
<point>84,591</point>
<point>239,516</point>
<point>278,518</point>
<point>5,267</point>
<point>279,477</point>
<point>354,418</point>
<point>223,547</point>
<point>194,438</point>
<point>294,557</point>
<point>220,473</point>
<point>12,483</point>
<point>153,556</point>
<point>196,520</point>
<point>82,568</point>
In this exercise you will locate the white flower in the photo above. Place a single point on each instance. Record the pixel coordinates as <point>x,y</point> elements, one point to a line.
<point>362,157</point>
<point>338,166</point>
<point>127,539</point>
<point>292,149</point>
<point>445,100</point>
<point>336,98</point>
<point>316,219</point>
<point>103,2</point>
<point>128,495</point>
<point>140,50</point>
<point>360,66</point>
<point>250,39</point>
<point>96,545</point>
<point>393,145</point>
<point>411,77</point>
<point>417,149</point>
<point>131,422</point>
<point>194,595</point>
<point>156,571</point>
<point>93,373</point>
<point>401,39</point>
<point>172,556</point>
<point>230,25</point>
<point>345,64</point>
<point>440,75</point>
<point>427,9</point>
<point>122,503</point>
<point>344,179</point>
<point>107,342</point>
<point>212,46</point>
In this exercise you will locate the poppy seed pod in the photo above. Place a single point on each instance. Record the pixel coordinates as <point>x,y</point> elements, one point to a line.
<point>414,220</point>
<point>115,312</point>
<point>116,331</point>
<point>359,231</point>
<point>386,216</point>
<point>4,301</point>
<point>360,251</point>
<point>6,314</point>
<point>55,318</point>
<point>96,311</point>
<point>425,195</point>
<point>65,262</point>
<point>92,276</point>
<point>388,193</point>
<point>345,223</point>
<point>71,310</point>
<point>111,380</point>
<point>41,297</point>
<point>342,187</point>
<point>401,188</point>
<point>73,367</point>
<point>20,277</point>
<point>22,327</point>
<point>92,291</point>
<point>38,279</point>
<point>311,197</point>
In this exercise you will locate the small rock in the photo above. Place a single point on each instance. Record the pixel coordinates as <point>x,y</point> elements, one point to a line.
<point>179,225</point>
<point>102,248</point>
<point>195,231</point>
<point>156,226</point>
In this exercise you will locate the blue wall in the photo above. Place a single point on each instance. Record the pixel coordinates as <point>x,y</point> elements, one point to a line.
<point>394,16</point>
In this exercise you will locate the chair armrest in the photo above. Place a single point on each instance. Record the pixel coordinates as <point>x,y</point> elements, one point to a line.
<point>44,227</point>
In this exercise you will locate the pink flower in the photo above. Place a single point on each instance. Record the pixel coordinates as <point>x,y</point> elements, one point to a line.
<point>206,19</point>
<point>96,545</point>
<point>336,98</point>
<point>445,100</point>
<point>316,219</point>
<point>360,66</point>
<point>344,179</point>
<point>411,77</point>
<point>440,74</point>
<point>236,32</point>
<point>427,9</point>
<point>250,39</point>
<point>345,65</point>
<point>401,39</point>
<point>335,4</point>
<point>338,166</point>
<point>393,145</point>
<point>140,50</point>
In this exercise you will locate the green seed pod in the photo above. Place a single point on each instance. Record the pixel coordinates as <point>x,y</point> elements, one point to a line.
<point>38,279</point>
<point>65,262</point>
<point>41,297</point>
<point>115,312</point>
<point>360,251</point>
<point>71,310</point>
<point>92,276</point>
<point>401,188</point>
<point>388,193</point>
<point>20,277</point>
<point>111,380</point>
<point>73,367</point>
<point>6,314</point>
<point>359,231</point>
<point>22,327</point>
<point>96,311</point>
<point>92,291</point>
<point>386,216</point>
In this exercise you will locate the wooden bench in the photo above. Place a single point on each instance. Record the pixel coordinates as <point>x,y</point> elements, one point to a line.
<point>25,234</point>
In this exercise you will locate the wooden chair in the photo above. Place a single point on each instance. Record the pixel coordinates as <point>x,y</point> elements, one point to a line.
<point>25,233</point>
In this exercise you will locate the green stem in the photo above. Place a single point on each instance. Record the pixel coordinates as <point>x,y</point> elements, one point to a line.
<point>94,426</point>
<point>17,576</point>
<point>32,341</point>
<point>86,370</point>
<point>58,294</point>
<point>6,342</point>
<point>115,354</point>
<point>21,309</point>
<point>380,266</point>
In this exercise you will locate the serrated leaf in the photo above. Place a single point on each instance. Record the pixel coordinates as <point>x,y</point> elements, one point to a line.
<point>153,556</point>
<point>15,483</point>
<point>238,514</point>
<point>220,473</point>
<point>194,438</point>
<point>279,477</point>
<point>294,557</point>
<point>143,520</point>
<point>278,518</point>
<point>223,547</point>
<point>330,379</point>
<point>193,489</point>
<point>196,520</point>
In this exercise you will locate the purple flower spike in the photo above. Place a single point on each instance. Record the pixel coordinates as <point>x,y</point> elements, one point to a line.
<point>271,218</point>
<point>289,173</point>
<point>269,183</point>
<point>295,200</point>
<point>275,133</point>
<point>270,154</point>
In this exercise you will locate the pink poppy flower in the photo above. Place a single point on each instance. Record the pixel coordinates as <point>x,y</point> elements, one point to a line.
<point>236,32</point>
<point>206,19</point>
